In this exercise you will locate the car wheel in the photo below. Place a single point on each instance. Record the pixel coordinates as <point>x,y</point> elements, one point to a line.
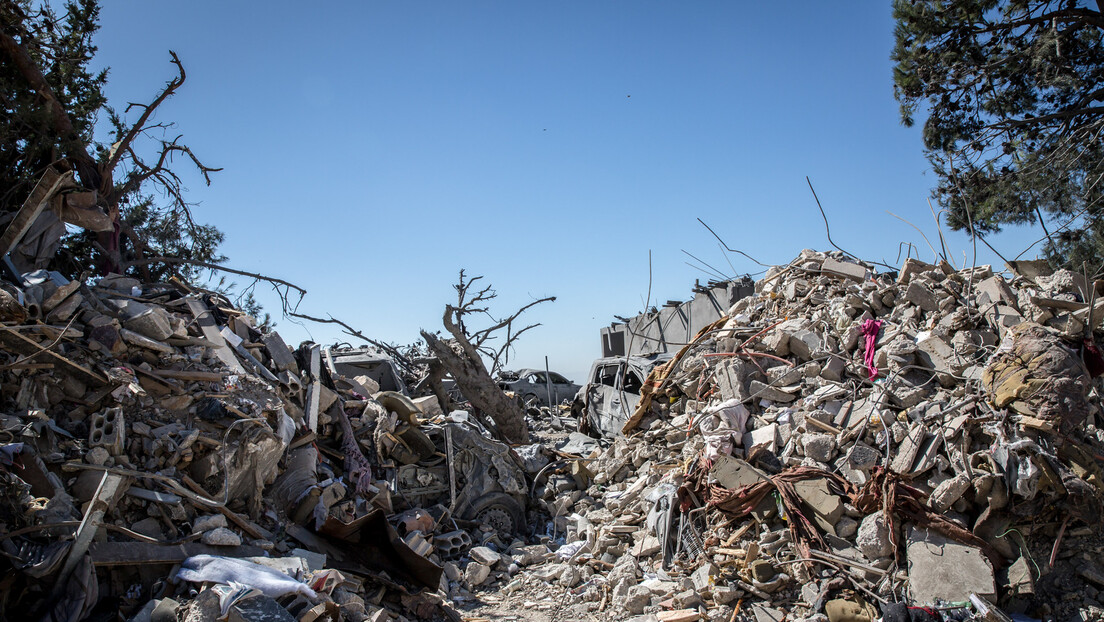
<point>498,510</point>
<point>531,401</point>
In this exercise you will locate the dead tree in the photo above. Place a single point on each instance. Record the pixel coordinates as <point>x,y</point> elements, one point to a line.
<point>463,354</point>
<point>100,176</point>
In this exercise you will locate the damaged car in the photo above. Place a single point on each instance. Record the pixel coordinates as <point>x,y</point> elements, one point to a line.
<point>533,387</point>
<point>612,392</point>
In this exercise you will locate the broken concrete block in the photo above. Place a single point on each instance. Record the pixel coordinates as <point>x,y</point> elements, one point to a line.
<point>921,296</point>
<point>844,269</point>
<point>874,539</point>
<point>804,343</point>
<point>428,405</point>
<point>637,598</point>
<point>108,430</point>
<point>221,536</point>
<point>761,439</point>
<point>942,569</point>
<point>863,457</point>
<point>911,268</point>
<point>833,369</point>
<point>827,508</point>
<point>763,391</point>
<point>476,573</point>
<point>951,490</point>
<point>819,447</point>
<point>485,555</point>
<point>678,615</point>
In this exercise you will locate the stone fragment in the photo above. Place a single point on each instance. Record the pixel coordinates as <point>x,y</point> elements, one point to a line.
<point>637,599</point>
<point>476,573</point>
<point>846,527</point>
<point>951,490</point>
<point>819,447</point>
<point>221,536</point>
<point>204,524</point>
<point>844,269</point>
<point>873,538</point>
<point>921,296</point>
<point>485,555</point>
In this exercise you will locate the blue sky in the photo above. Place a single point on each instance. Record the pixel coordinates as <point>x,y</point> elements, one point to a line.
<point>373,149</point>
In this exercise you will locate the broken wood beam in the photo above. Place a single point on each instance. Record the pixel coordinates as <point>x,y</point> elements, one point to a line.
<point>143,553</point>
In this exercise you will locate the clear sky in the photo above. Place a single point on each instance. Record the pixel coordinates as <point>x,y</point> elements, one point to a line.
<point>373,149</point>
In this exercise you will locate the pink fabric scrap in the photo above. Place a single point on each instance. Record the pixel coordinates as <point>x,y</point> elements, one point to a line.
<point>870,330</point>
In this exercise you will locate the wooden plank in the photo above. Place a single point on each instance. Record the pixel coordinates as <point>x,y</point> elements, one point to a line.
<point>211,333</point>
<point>103,500</point>
<point>28,347</point>
<point>107,554</point>
<point>48,185</point>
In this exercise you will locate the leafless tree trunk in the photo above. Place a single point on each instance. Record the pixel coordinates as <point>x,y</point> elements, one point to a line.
<point>462,356</point>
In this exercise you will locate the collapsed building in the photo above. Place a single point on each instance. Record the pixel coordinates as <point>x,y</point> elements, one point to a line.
<point>836,445</point>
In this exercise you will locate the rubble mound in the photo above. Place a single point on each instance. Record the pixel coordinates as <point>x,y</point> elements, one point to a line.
<point>843,443</point>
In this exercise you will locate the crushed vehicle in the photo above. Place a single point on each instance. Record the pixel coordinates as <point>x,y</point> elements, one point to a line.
<point>366,361</point>
<point>532,386</point>
<point>612,392</point>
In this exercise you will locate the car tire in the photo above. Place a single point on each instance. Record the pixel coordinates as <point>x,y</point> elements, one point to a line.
<point>499,510</point>
<point>531,401</point>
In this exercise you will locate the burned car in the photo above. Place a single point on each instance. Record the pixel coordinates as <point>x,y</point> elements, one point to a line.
<point>612,392</point>
<point>532,386</point>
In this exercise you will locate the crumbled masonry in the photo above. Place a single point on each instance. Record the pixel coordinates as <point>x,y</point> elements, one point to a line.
<point>842,445</point>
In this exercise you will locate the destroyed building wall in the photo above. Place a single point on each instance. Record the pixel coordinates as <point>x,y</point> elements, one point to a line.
<point>668,328</point>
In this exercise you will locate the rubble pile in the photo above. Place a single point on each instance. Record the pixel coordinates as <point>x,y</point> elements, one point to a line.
<point>164,459</point>
<point>844,446</point>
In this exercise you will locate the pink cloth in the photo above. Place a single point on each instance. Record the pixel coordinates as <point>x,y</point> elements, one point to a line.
<point>870,330</point>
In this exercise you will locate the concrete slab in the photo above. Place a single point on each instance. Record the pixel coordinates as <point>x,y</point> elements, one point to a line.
<point>943,569</point>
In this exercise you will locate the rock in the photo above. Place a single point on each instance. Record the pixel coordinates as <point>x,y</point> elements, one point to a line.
<point>221,536</point>
<point>646,547</point>
<point>204,524</point>
<point>688,599</point>
<point>724,594</point>
<point>97,456</point>
<point>452,571</point>
<point>149,527</point>
<point>476,573</point>
<point>847,527</point>
<point>873,538</point>
<point>951,490</point>
<point>919,295</point>
<point>819,447</point>
<point>484,555</point>
<point>637,599</point>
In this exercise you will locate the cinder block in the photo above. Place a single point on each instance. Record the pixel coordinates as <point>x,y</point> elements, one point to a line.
<point>108,430</point>
<point>452,544</point>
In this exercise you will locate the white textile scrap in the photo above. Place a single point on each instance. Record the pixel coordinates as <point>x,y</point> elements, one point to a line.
<point>722,427</point>
<point>214,569</point>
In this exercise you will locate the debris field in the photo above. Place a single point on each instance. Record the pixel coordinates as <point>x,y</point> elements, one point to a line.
<point>844,444</point>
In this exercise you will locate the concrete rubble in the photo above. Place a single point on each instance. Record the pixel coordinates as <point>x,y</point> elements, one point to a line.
<point>843,444</point>
<point>848,445</point>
